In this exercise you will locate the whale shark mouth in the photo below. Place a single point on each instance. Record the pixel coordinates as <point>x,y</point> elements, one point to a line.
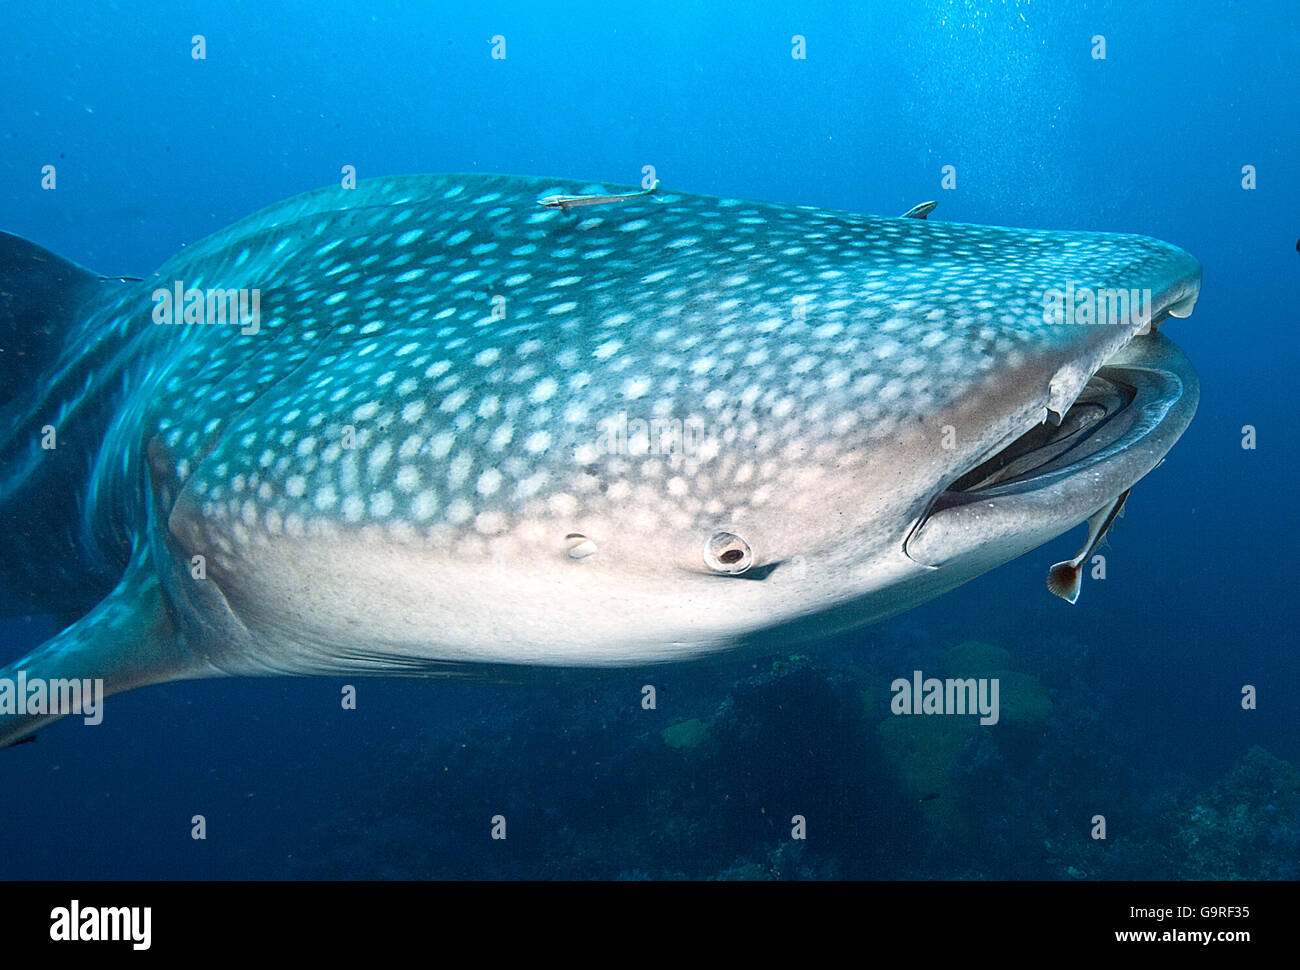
<point>1099,418</point>
<point>1127,417</point>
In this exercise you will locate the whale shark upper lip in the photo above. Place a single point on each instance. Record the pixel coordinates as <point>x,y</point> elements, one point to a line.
<point>1179,296</point>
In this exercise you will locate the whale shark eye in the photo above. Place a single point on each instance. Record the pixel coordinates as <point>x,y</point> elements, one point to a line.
<point>728,553</point>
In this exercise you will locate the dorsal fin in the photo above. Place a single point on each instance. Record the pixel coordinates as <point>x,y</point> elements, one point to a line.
<point>919,211</point>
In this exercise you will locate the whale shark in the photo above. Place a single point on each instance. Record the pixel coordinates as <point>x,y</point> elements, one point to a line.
<point>444,424</point>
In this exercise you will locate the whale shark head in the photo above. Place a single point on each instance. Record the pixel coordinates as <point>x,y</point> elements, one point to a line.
<point>454,427</point>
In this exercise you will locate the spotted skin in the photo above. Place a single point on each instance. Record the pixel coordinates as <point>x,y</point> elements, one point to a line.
<point>466,425</point>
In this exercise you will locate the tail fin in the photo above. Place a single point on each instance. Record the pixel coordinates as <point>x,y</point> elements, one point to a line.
<point>128,640</point>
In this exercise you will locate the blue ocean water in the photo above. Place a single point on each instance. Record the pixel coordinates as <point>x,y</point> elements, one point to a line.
<point>1137,711</point>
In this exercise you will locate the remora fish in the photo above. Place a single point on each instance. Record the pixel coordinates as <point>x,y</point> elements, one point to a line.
<point>567,202</point>
<point>467,431</point>
<point>1065,579</point>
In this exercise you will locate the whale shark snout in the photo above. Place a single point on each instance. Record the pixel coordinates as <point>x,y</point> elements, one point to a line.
<point>467,429</point>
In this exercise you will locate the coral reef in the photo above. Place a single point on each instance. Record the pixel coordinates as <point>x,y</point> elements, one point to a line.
<point>1248,825</point>
<point>685,734</point>
<point>716,782</point>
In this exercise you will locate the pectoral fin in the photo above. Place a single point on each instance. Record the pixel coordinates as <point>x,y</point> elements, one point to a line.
<point>128,640</point>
